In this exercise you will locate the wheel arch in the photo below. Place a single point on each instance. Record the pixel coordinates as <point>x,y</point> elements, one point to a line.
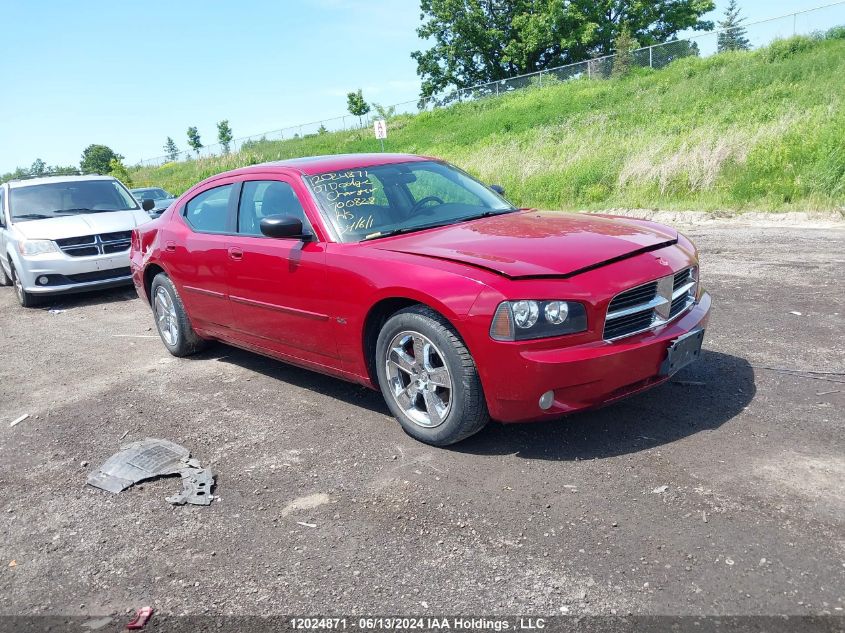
<point>6,262</point>
<point>11,256</point>
<point>150,272</point>
<point>386,307</point>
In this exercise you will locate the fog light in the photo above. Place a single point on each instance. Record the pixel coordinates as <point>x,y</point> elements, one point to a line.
<point>42,280</point>
<point>547,400</point>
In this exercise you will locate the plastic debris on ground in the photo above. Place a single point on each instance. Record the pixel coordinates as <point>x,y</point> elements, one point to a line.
<point>140,620</point>
<point>17,421</point>
<point>196,487</point>
<point>151,458</point>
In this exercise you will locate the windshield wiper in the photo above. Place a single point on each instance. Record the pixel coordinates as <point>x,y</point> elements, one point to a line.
<point>406,229</point>
<point>412,229</point>
<point>77,210</point>
<point>31,216</point>
<point>86,210</point>
<point>486,214</point>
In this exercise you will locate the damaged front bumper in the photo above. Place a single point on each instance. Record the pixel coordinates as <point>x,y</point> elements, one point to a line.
<point>586,376</point>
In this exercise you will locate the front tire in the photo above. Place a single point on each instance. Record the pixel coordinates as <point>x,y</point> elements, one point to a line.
<point>26,299</point>
<point>428,378</point>
<point>174,326</point>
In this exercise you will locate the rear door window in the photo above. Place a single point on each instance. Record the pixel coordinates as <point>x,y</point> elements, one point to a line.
<point>208,212</point>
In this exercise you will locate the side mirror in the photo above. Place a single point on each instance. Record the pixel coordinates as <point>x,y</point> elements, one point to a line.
<point>283,226</point>
<point>498,189</point>
<point>148,205</point>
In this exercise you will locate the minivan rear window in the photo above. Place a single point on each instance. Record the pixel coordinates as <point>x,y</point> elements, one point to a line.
<point>56,199</point>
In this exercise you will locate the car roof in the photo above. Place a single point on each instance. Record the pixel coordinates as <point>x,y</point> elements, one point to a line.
<point>29,182</point>
<point>310,165</point>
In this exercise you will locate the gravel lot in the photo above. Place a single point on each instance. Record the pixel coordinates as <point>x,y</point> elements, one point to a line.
<point>718,498</point>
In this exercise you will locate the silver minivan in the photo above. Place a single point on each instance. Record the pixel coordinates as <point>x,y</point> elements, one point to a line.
<point>65,234</point>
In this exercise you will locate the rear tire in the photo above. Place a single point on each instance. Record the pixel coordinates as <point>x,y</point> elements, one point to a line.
<point>172,322</point>
<point>26,299</point>
<point>428,378</point>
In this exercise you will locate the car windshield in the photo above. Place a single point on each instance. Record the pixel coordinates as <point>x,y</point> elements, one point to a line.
<point>56,199</point>
<point>374,202</point>
<point>151,194</point>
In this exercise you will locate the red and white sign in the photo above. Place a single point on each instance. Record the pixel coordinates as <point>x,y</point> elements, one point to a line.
<point>380,128</point>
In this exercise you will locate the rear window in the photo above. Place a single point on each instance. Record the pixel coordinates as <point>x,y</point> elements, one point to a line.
<point>50,200</point>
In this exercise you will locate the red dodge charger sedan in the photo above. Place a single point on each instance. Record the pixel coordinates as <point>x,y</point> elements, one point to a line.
<point>405,274</point>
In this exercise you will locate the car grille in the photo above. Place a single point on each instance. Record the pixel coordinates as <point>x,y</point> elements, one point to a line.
<point>683,291</point>
<point>103,244</point>
<point>650,305</point>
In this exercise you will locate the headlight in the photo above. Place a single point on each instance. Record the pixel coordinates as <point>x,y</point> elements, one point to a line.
<point>528,319</point>
<point>525,313</point>
<point>37,247</point>
<point>556,312</point>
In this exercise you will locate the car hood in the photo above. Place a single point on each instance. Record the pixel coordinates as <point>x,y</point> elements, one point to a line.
<point>81,224</point>
<point>532,244</point>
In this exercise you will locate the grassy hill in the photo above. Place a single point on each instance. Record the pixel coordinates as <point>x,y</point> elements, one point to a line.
<point>761,130</point>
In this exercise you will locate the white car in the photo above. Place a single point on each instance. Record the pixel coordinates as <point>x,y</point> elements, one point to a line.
<point>65,234</point>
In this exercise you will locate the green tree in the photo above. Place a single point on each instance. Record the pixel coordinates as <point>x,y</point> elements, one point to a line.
<point>20,172</point>
<point>731,34</point>
<point>39,168</point>
<point>477,41</point>
<point>58,170</point>
<point>194,140</point>
<point>384,112</point>
<point>357,106</point>
<point>96,159</point>
<point>224,135</point>
<point>171,150</point>
<point>322,129</point>
<point>623,58</point>
<point>119,171</point>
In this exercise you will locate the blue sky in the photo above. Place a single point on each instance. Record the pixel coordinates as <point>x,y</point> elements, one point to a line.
<point>129,74</point>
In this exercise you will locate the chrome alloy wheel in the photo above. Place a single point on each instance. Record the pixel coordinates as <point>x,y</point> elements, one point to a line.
<point>418,378</point>
<point>166,320</point>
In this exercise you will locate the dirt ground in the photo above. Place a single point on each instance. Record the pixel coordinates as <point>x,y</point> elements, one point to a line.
<point>718,493</point>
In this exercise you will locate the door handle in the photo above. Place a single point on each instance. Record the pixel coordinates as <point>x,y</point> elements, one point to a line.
<point>236,253</point>
<point>170,247</point>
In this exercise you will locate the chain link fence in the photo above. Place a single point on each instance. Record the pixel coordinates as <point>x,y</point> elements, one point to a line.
<point>761,33</point>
